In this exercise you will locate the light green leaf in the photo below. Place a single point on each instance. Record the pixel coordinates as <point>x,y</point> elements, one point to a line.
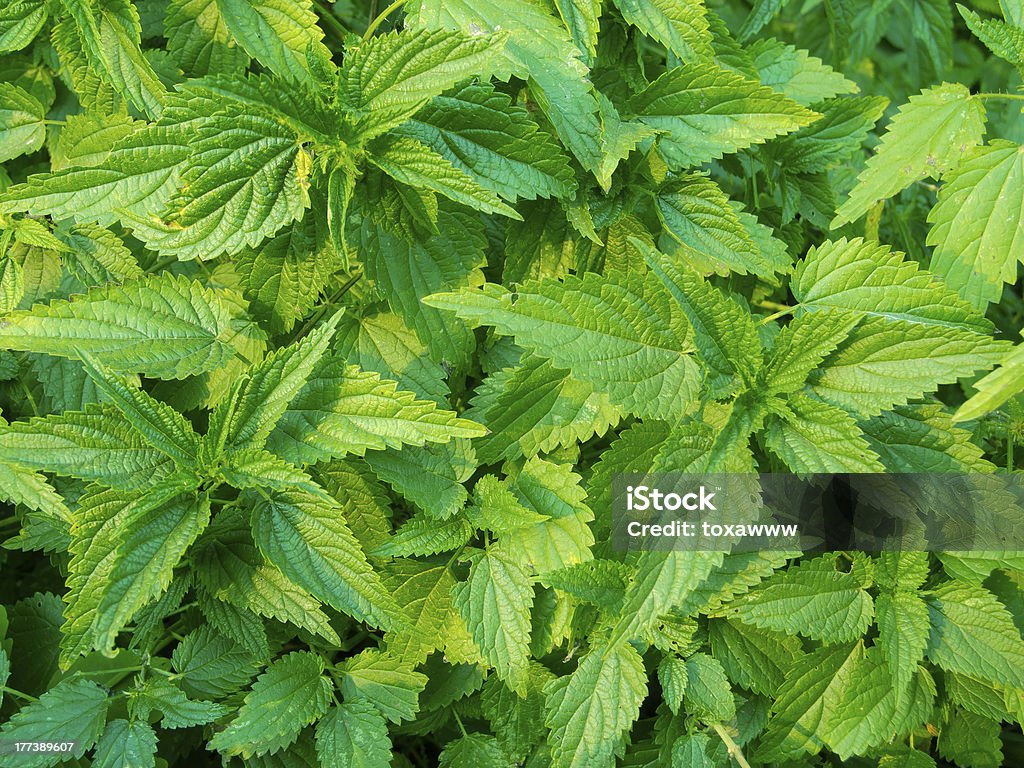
<point>474,750</point>
<point>22,130</point>
<point>76,708</point>
<point>1004,39</point>
<point>424,535</point>
<point>796,74</point>
<point>424,592</point>
<point>308,540</point>
<point>538,49</point>
<point>210,665</point>
<point>162,326</point>
<point>386,79</point>
<point>342,410</point>
<point>589,710</point>
<point>830,141</point>
<point>708,695</point>
<point>817,437</point>
<point>617,333</point>
<point>353,735</point>
<point>928,136</point>
<point>902,618</point>
<point>480,132</point>
<point>996,388</point>
<point>802,345</point>
<point>176,709</point>
<point>288,696</point>
<point>672,676</point>
<point>386,681</point>
<point>495,603</point>
<point>431,477</point>
<point>412,162</point>
<point>755,659</point>
<point>922,438</point>
<point>978,223</point>
<point>972,633</point>
<point>812,599</point>
<point>20,22</point>
<point>198,39</point>
<point>682,27</point>
<point>277,33</point>
<point>707,113</point>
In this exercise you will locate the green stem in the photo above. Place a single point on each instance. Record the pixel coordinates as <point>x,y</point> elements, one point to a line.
<point>1014,96</point>
<point>777,315</point>
<point>1010,463</point>
<point>17,694</point>
<point>327,16</point>
<point>380,18</point>
<point>28,396</point>
<point>463,728</point>
<point>319,314</point>
<point>734,750</point>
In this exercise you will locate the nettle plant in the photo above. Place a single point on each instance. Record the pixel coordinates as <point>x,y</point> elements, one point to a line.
<point>324,332</point>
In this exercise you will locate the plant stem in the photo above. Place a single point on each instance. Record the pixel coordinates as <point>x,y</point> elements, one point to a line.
<point>17,694</point>
<point>1014,96</point>
<point>319,314</point>
<point>734,750</point>
<point>326,14</point>
<point>463,728</point>
<point>380,18</point>
<point>1010,463</point>
<point>777,315</point>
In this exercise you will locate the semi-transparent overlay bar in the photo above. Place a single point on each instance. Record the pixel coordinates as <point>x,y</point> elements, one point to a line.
<point>822,512</point>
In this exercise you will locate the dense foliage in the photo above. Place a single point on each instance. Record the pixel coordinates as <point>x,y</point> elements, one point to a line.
<point>325,329</point>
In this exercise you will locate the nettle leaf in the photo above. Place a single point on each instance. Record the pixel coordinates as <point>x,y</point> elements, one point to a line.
<point>927,137</point>
<point>680,27</point>
<point>480,132</point>
<point>386,79</point>
<point>923,438</point>
<point>976,223</point>
<point>797,74</point>
<point>277,33</point>
<point>389,683</point>
<point>996,388</point>
<point>495,603</point>
<point>307,538</point>
<point>707,113</point>
<point>620,334</point>
<point>198,39</point>
<point>353,734</point>
<point>585,731</point>
<point>126,743</point>
<point>812,599</point>
<point>288,696</point>
<point>20,22</point>
<point>414,163</point>
<point>973,633</point>
<point>22,130</point>
<point>75,706</point>
<point>341,410</point>
<point>828,141</point>
<point>538,48</point>
<point>162,326</point>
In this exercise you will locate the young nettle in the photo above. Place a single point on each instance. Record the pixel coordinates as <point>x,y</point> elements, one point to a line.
<point>325,333</point>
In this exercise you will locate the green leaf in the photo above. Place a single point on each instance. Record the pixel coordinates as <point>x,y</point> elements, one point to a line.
<point>96,255</point>
<point>98,444</point>
<point>680,27</point>
<point>176,709</point>
<point>599,329</point>
<point>341,410</point>
<point>996,388</point>
<point>755,659</point>
<point>673,677</point>
<point>814,436</point>
<point>812,599</point>
<point>692,751</point>
<point>386,79</point>
<point>209,665</point>
<point>288,696</point>
<point>161,326</point>
<point>22,130</point>
<point>902,618</point>
<point>585,731</point>
<point>538,48</point>
<point>126,744</point>
<point>495,603</point>
<point>928,136</point>
<point>867,278</point>
<point>922,438</point>
<point>277,33</point>
<point>972,740</point>
<point>260,398</point>
<point>353,735</point>
<point>424,592</point>
<point>977,223</point>
<point>1003,39</point>
<point>110,34</point>
<point>431,477</point>
<point>308,540</point>
<point>707,113</point>
<point>198,39</point>
<point>157,423</point>
<point>75,708</point>
<point>474,750</point>
<point>424,535</point>
<point>725,337</point>
<point>480,132</point>
<point>414,163</point>
<point>389,683</point>
<point>972,633</point>
<point>20,22</point>
<point>801,347</point>
<point>832,139</point>
<point>708,695</point>
<point>796,74</point>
